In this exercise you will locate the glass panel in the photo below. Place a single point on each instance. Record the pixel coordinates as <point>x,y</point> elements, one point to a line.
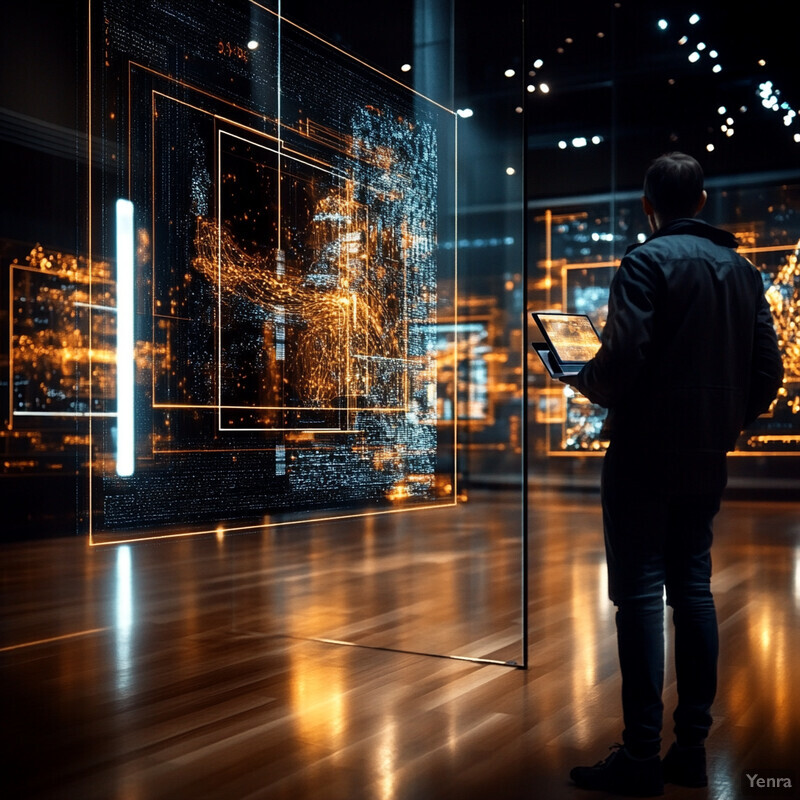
<point>288,324</point>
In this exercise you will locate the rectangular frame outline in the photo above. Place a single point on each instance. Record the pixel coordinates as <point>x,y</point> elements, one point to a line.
<point>78,304</point>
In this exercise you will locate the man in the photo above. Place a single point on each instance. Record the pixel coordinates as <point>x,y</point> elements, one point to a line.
<point>688,358</point>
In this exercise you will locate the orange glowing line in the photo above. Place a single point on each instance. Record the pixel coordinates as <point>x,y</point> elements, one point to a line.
<point>731,454</point>
<point>11,348</point>
<point>302,158</point>
<point>218,530</point>
<point>223,101</point>
<point>591,265</point>
<point>90,263</point>
<point>185,85</point>
<point>778,248</point>
<point>218,156</point>
<point>351,56</point>
<point>152,224</point>
<point>283,148</point>
<point>52,639</point>
<point>767,249</point>
<point>173,317</point>
<point>214,406</point>
<point>265,449</point>
<point>61,273</point>
<point>232,122</point>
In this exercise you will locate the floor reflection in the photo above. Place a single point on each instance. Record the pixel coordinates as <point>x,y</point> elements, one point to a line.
<point>189,668</point>
<point>123,604</point>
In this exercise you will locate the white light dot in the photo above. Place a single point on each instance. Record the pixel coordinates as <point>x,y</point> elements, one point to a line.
<point>695,56</point>
<point>579,141</point>
<point>406,68</point>
<point>538,64</point>
<point>562,145</point>
<point>509,73</point>
<point>762,63</point>
<point>662,24</point>
<point>797,137</point>
<point>716,68</point>
<point>597,139</point>
<point>722,110</point>
<point>543,87</point>
<point>530,87</point>
<point>518,109</point>
<point>729,132</point>
<point>713,53</point>
<point>510,170</point>
<point>683,40</point>
<point>710,148</point>
<point>465,113</point>
<point>701,45</point>
<point>252,45</point>
<point>729,120</point>
<point>694,19</point>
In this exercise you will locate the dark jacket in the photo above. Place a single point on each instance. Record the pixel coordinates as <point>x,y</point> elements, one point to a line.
<point>689,355</point>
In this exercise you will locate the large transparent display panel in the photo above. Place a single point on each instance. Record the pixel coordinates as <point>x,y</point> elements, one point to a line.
<point>282,340</point>
<point>285,273</point>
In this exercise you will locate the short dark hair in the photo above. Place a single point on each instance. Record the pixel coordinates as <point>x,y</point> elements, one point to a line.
<point>673,184</point>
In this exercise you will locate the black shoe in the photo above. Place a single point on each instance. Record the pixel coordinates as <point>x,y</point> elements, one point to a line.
<point>685,766</point>
<point>623,774</point>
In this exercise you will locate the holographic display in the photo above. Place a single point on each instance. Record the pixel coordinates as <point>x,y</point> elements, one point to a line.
<point>288,204</point>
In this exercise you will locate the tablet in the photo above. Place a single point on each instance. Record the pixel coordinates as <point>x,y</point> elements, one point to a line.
<point>566,343</point>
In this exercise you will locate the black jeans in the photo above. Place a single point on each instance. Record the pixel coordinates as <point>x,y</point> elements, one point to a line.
<point>658,533</point>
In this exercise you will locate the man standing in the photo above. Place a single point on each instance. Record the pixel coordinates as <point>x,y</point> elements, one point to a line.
<point>689,357</point>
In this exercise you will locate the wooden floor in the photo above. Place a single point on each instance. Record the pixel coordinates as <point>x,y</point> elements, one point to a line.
<point>194,668</point>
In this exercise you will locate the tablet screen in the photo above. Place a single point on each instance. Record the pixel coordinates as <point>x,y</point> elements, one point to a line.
<point>572,336</point>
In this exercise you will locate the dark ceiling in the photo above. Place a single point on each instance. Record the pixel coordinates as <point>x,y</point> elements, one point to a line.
<point>612,73</point>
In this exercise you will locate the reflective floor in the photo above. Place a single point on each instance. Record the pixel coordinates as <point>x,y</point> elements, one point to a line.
<point>193,668</point>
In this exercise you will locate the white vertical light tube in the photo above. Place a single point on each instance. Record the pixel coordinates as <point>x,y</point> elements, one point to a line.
<point>125,338</point>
